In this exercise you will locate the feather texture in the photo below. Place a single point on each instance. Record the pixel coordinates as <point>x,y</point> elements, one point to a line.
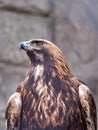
<point>50,97</point>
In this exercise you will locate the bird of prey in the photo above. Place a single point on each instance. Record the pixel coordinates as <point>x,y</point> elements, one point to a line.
<point>50,97</point>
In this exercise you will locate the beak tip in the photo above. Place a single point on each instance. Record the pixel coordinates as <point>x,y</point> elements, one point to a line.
<point>21,45</point>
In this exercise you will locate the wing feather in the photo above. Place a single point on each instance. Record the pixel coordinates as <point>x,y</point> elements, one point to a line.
<point>13,110</point>
<point>89,107</point>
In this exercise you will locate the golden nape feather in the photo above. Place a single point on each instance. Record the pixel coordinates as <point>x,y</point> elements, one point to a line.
<point>50,97</point>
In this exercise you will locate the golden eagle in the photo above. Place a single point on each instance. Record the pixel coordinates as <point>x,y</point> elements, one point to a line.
<point>50,97</point>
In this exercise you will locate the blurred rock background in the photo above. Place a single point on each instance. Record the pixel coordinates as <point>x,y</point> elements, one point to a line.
<point>71,24</point>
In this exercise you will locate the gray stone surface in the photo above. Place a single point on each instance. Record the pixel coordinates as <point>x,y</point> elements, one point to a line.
<point>31,6</point>
<point>17,27</point>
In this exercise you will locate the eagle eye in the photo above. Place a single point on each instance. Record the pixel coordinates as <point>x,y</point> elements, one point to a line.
<point>40,43</point>
<point>36,44</point>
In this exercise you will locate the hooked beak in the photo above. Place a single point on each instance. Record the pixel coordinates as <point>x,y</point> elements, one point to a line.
<point>27,46</point>
<point>22,45</point>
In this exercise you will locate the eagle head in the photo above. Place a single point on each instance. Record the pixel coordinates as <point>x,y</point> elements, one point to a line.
<point>45,53</point>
